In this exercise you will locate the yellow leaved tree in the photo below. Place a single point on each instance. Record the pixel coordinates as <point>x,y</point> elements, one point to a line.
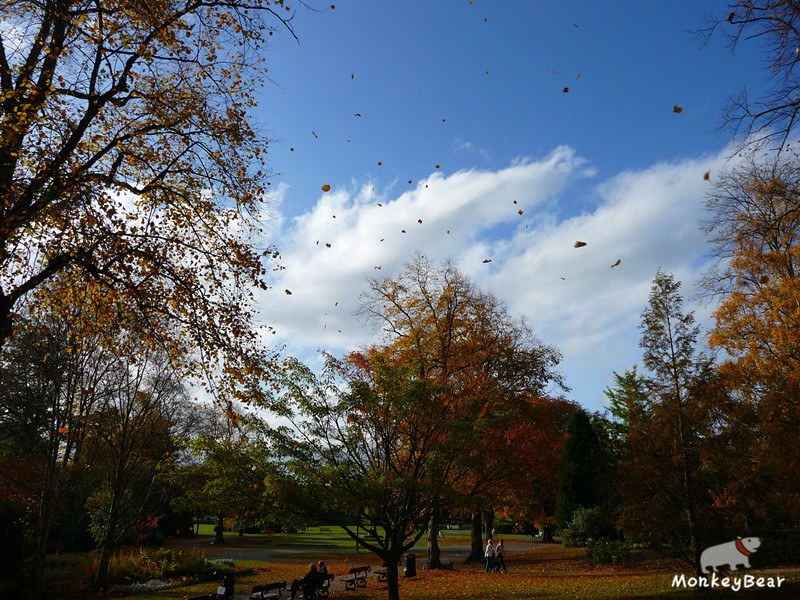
<point>126,158</point>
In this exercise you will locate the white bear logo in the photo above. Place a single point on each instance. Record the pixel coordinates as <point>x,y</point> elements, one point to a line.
<point>730,553</point>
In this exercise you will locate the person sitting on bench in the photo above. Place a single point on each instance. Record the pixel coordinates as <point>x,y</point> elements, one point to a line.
<point>308,582</point>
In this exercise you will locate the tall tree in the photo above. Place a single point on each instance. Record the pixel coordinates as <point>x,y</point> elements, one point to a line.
<point>126,156</point>
<point>669,468</point>
<point>754,229</point>
<point>136,429</point>
<point>774,23</point>
<point>370,449</point>
<point>474,354</point>
<point>580,481</point>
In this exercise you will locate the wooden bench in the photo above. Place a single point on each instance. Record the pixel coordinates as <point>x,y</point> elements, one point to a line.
<point>268,591</point>
<point>357,578</point>
<point>324,529</point>
<point>381,573</point>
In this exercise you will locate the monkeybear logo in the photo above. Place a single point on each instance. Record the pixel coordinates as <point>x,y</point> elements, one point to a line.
<point>732,554</point>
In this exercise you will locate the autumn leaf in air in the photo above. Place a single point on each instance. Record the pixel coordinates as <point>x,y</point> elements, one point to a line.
<point>707,176</point>
<point>579,244</point>
<point>677,109</point>
<point>63,429</point>
<point>619,260</point>
<point>519,212</point>
<point>419,221</point>
<point>565,90</point>
<point>315,134</point>
<point>327,245</point>
<point>288,292</point>
<point>326,188</point>
<point>487,260</point>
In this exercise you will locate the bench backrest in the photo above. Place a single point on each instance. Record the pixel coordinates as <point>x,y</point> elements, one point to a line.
<point>356,570</point>
<point>278,585</point>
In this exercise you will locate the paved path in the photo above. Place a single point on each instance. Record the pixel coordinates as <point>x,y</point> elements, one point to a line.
<point>456,553</point>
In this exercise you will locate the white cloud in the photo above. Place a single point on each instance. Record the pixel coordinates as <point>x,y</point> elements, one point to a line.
<point>573,299</point>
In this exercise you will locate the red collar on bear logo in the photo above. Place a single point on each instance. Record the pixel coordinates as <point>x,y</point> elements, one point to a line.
<point>740,547</point>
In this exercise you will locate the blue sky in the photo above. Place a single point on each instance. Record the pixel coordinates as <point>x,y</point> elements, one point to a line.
<point>467,101</point>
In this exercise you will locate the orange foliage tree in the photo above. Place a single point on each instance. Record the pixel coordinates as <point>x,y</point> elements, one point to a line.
<point>754,225</point>
<point>126,157</point>
<point>482,363</point>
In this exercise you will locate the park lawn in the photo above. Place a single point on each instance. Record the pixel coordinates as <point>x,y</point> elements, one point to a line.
<point>554,573</point>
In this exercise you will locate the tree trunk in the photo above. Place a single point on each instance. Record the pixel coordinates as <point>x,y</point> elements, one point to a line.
<point>434,553</point>
<point>392,577</point>
<point>547,533</point>
<point>488,518</point>
<point>101,576</point>
<point>476,538</point>
<point>219,529</point>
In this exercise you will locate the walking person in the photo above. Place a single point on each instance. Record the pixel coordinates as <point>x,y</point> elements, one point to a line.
<point>488,556</point>
<point>500,557</point>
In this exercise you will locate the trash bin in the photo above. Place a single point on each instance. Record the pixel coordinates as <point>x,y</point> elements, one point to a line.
<point>411,566</point>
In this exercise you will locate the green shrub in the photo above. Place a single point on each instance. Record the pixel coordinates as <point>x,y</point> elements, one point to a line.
<point>588,524</point>
<point>145,564</point>
<point>608,552</point>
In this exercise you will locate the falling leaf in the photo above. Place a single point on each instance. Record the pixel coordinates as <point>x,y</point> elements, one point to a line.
<point>326,188</point>
<point>437,166</point>
<point>485,20</point>
<point>291,149</point>
<point>677,109</point>
<point>443,120</point>
<point>575,25</point>
<point>579,244</point>
<point>378,267</point>
<point>419,221</point>
<point>379,204</point>
<point>619,260</point>
<point>288,292</point>
<point>409,181</point>
<point>315,134</point>
<point>707,175</point>
<point>379,163</point>
<point>402,231</point>
<point>730,16</point>
<point>515,201</point>
<point>487,72</point>
<point>63,429</point>
<point>358,114</point>
<point>327,245</point>
<point>579,76</point>
<point>448,232</point>
<point>563,279</point>
<point>333,6</point>
<point>352,75</point>
<point>337,303</point>
<point>334,216</point>
<point>383,239</point>
<point>519,212</point>
<point>565,90</point>
<point>487,260</point>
